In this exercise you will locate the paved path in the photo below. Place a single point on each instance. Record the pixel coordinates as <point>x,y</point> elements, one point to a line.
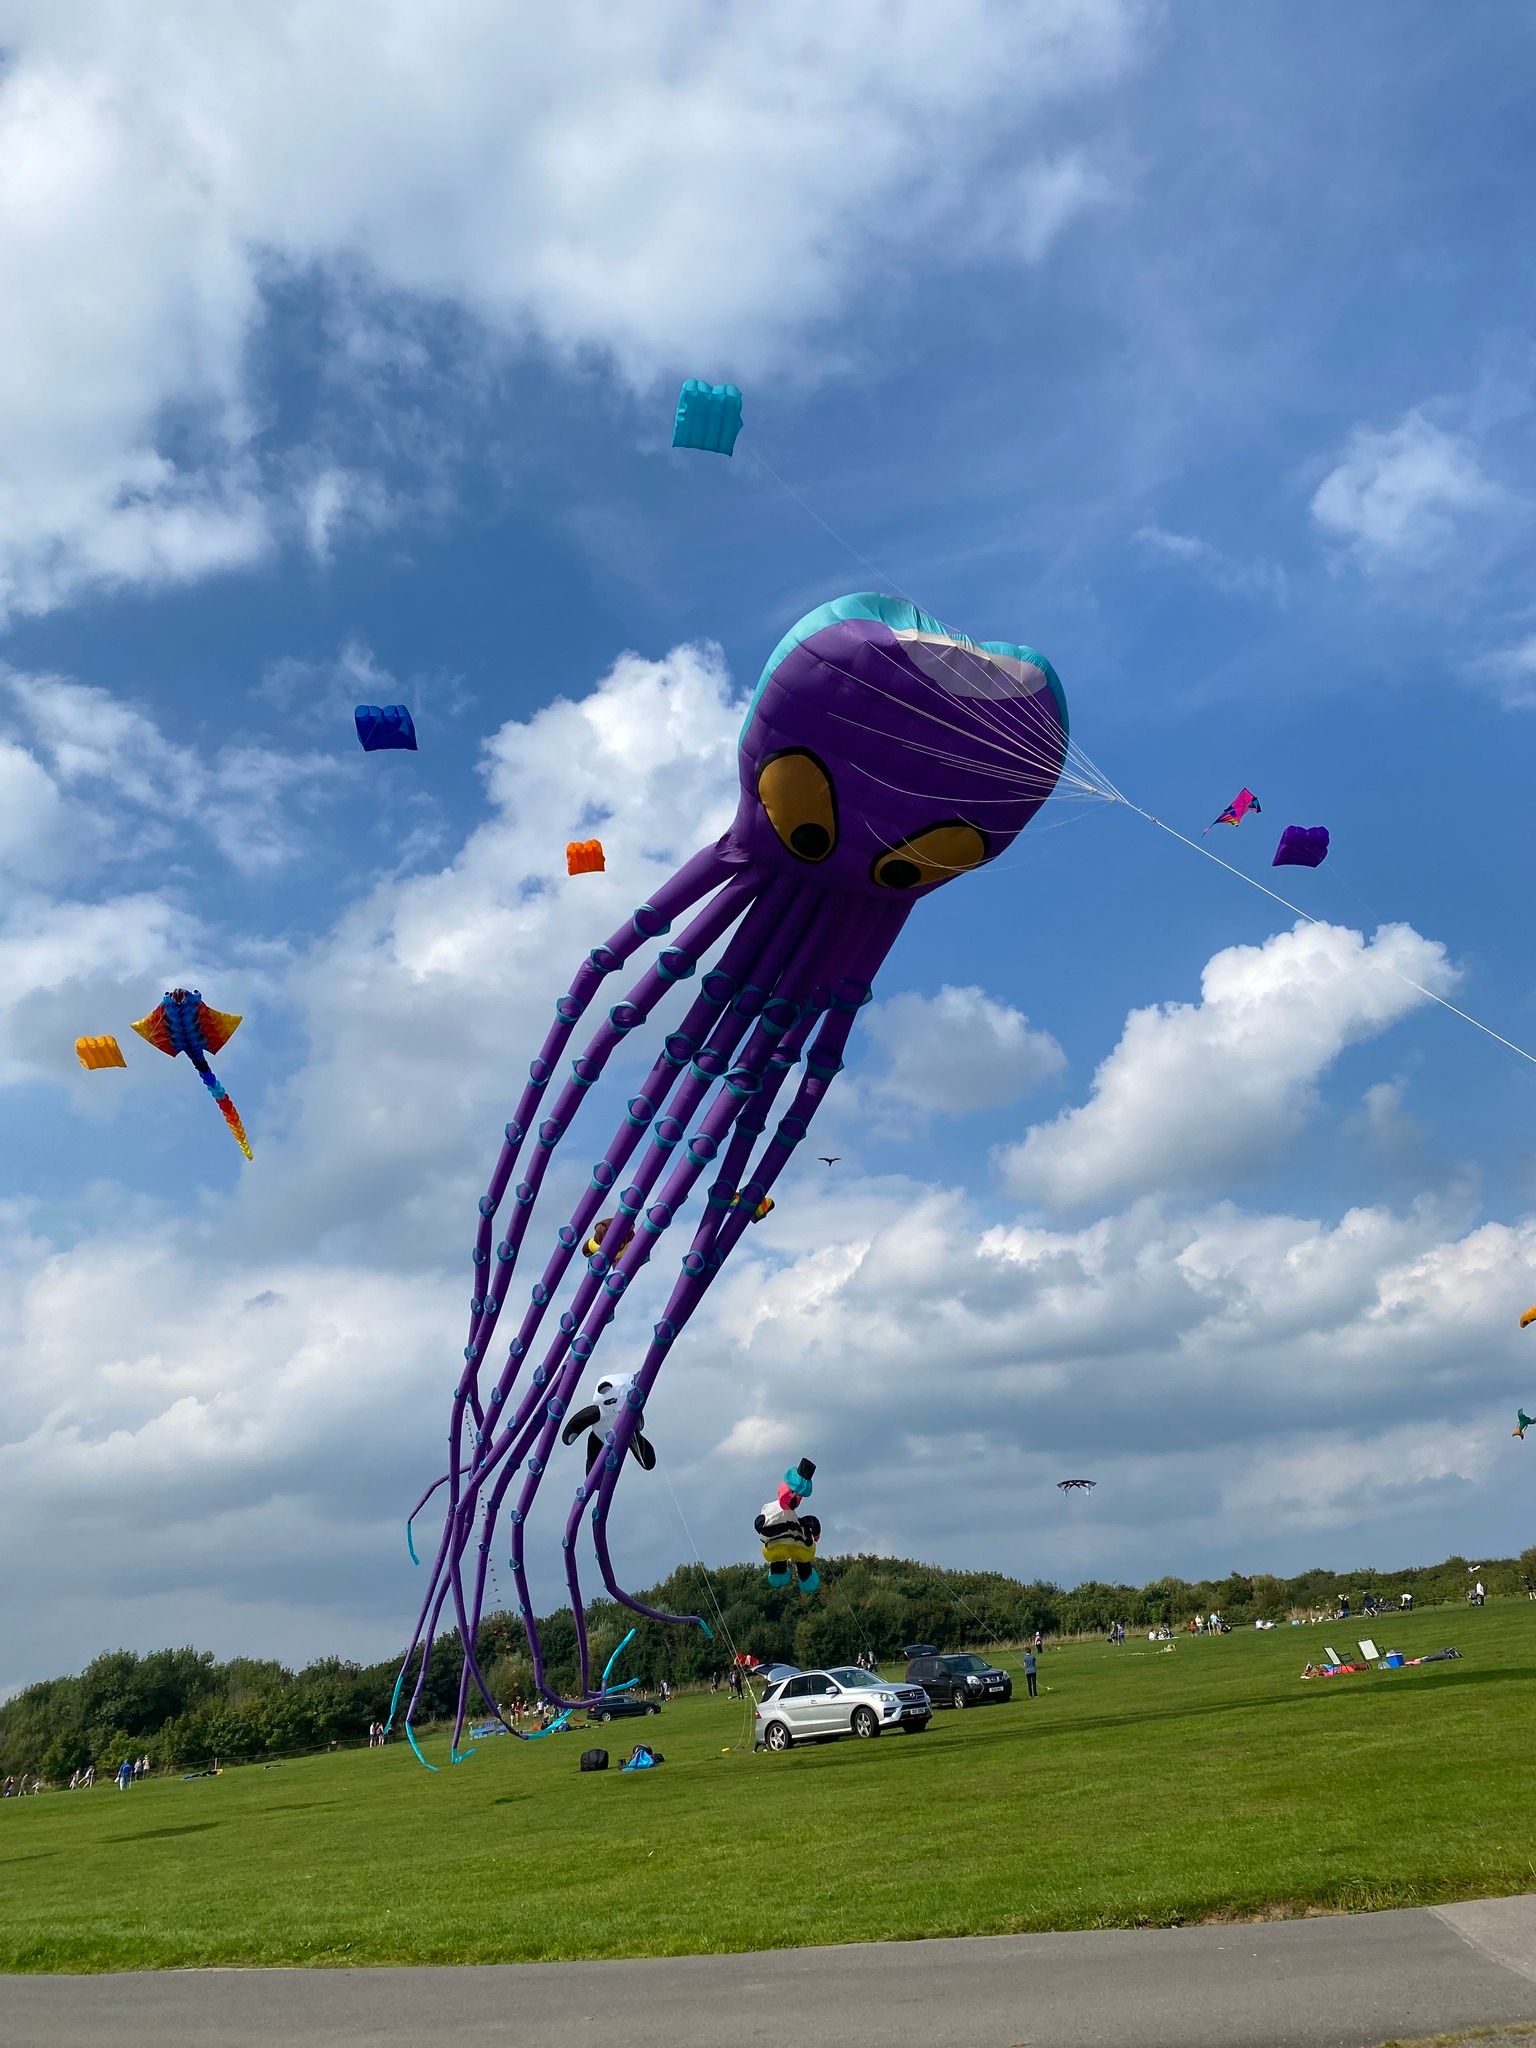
<point>1339,1982</point>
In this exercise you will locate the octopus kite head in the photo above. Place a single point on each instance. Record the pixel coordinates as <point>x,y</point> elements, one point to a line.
<point>884,754</point>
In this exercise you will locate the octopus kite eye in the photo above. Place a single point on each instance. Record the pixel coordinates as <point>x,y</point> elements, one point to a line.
<point>937,855</point>
<point>796,792</point>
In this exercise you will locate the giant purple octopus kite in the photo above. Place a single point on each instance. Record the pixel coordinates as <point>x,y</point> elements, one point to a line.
<point>881,756</point>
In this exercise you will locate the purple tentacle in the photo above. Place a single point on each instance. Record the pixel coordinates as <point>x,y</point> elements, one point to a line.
<point>786,1020</point>
<point>823,1061</point>
<point>571,1350</point>
<point>705,871</point>
<point>721,985</point>
<point>786,906</point>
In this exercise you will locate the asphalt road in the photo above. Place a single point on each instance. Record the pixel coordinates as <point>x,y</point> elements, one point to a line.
<point>1341,1982</point>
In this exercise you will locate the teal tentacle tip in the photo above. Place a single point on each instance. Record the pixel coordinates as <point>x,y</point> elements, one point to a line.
<point>411,1547</point>
<point>456,1756</point>
<point>410,1736</point>
<point>708,1631</point>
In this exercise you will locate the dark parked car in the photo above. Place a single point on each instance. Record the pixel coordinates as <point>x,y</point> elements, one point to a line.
<point>962,1681</point>
<point>622,1707</point>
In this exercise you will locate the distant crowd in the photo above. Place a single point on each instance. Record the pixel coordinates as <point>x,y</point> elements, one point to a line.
<point>80,1781</point>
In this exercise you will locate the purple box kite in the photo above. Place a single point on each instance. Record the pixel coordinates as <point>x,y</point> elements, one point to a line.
<point>1302,846</point>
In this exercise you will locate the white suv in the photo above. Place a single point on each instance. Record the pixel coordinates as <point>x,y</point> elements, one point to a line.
<point>818,1705</point>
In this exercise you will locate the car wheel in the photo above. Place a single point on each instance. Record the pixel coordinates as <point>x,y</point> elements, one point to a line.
<point>653,1709</point>
<point>865,1723</point>
<point>605,1715</point>
<point>960,1697</point>
<point>777,1736</point>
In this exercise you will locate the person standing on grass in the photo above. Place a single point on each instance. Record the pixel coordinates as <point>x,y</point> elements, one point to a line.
<point>1039,1641</point>
<point>1030,1678</point>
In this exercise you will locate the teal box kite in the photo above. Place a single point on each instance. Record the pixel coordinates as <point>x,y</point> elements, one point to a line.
<point>708,417</point>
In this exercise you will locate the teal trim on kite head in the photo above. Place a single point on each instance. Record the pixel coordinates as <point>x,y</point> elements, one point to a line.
<point>902,616</point>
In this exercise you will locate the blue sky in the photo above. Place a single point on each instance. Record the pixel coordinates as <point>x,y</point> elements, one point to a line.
<point>339,365</point>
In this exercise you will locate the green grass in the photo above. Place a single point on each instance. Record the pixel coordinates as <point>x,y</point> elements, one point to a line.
<point>1139,1789</point>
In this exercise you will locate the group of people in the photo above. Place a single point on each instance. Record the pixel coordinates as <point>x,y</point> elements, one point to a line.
<point>18,1788</point>
<point>376,1735</point>
<point>516,1712</point>
<point>731,1680</point>
<point>1370,1607</point>
<point>129,1769</point>
<point>1212,1624</point>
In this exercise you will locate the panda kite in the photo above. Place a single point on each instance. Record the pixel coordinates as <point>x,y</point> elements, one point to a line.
<point>788,1537</point>
<point>601,1418</point>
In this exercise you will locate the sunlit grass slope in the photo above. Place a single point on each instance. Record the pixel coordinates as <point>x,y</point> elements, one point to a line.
<point>1139,1788</point>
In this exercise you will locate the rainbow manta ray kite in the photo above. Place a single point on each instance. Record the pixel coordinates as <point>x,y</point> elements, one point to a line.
<point>1244,802</point>
<point>183,1022</point>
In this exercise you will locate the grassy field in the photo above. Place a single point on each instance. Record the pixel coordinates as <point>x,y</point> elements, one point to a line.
<point>1140,1788</point>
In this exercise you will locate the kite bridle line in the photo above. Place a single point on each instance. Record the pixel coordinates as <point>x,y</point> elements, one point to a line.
<point>749,1698</point>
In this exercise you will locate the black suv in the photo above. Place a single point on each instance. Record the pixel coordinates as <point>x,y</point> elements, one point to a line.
<point>961,1681</point>
<point>622,1707</point>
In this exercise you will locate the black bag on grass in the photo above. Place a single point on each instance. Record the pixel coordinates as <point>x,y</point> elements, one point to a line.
<point>594,1759</point>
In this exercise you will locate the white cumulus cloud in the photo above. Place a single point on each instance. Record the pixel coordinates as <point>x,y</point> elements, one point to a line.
<point>958,1050</point>
<point>1214,565</point>
<point>1509,672</point>
<point>1396,496</point>
<point>125,774</point>
<point>571,177</point>
<point>1197,1090</point>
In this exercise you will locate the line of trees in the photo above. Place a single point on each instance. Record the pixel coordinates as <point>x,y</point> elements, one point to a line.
<point>183,1707</point>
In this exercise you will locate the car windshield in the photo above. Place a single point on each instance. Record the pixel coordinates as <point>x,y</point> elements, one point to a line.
<point>965,1665</point>
<point>857,1679</point>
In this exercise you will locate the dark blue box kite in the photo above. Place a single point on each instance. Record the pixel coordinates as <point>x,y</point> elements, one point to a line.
<point>382,726</point>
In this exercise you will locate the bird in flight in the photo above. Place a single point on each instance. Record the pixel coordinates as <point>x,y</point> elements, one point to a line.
<point>830,1162</point>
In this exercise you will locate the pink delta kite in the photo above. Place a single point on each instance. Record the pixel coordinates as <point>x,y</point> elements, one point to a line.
<point>1244,802</point>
